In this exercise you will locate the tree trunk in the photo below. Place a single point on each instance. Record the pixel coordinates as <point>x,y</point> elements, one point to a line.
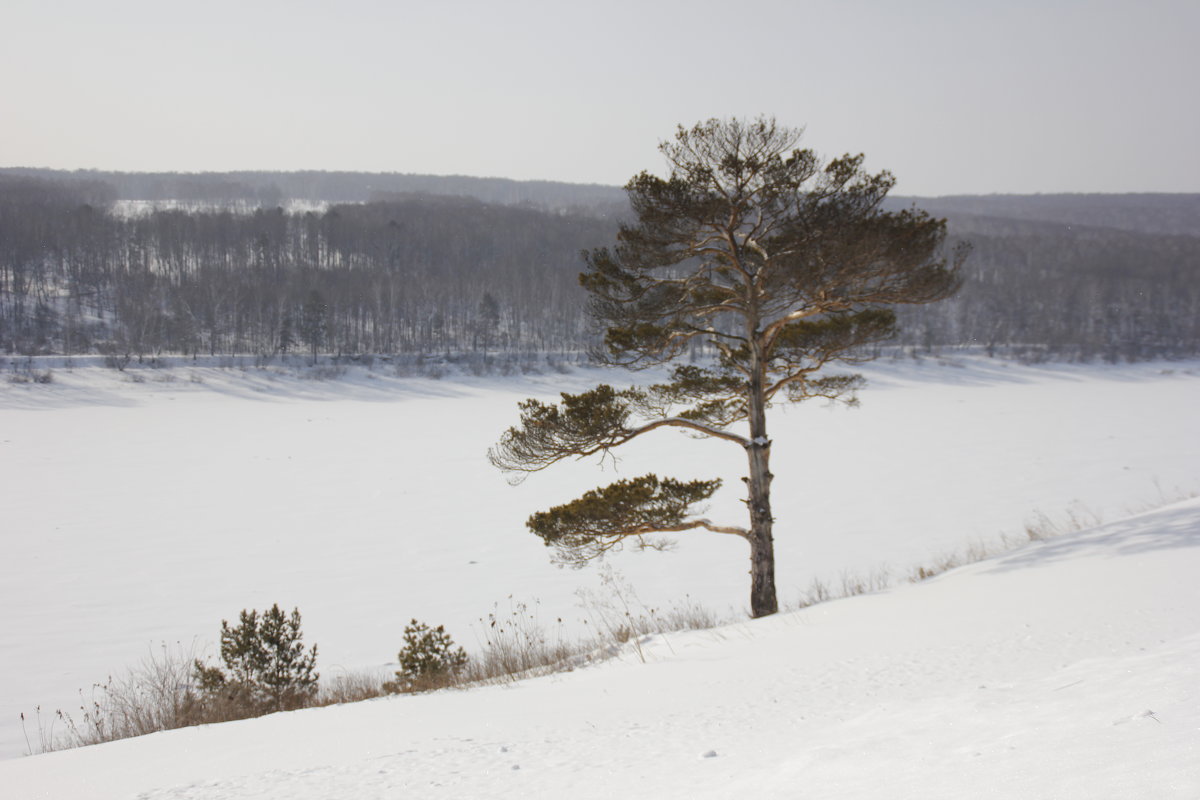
<point>762,576</point>
<point>762,544</point>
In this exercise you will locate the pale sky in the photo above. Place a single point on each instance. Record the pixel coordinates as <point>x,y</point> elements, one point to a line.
<point>952,96</point>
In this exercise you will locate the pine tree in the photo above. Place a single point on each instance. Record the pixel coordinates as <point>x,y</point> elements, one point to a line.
<point>429,657</point>
<point>776,265</point>
<point>266,665</point>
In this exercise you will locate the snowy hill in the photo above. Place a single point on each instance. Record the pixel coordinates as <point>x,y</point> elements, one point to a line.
<point>145,506</point>
<point>1066,670</point>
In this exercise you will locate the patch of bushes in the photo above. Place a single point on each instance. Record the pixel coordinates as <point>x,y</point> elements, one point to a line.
<point>265,667</point>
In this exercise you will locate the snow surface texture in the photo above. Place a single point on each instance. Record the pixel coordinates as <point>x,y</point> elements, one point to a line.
<point>146,512</point>
<point>1065,670</point>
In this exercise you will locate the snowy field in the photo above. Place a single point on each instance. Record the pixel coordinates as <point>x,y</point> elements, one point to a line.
<point>144,512</point>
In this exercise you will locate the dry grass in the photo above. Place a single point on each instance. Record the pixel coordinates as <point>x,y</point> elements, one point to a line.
<point>1077,518</point>
<point>154,696</point>
<point>350,687</point>
<point>515,643</point>
<point>1039,527</point>
<point>617,615</point>
<point>160,694</point>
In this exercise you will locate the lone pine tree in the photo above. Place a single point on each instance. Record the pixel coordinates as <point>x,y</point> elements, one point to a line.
<point>777,265</point>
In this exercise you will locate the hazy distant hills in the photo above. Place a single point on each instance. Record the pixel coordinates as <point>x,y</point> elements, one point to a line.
<point>312,186</point>
<point>1147,213</point>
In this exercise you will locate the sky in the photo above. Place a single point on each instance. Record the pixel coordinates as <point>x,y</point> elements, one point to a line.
<point>1004,96</point>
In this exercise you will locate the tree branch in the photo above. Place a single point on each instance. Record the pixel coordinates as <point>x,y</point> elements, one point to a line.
<point>599,521</point>
<point>583,425</point>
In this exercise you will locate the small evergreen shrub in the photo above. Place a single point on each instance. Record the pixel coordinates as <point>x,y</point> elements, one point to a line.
<point>266,667</point>
<point>429,659</point>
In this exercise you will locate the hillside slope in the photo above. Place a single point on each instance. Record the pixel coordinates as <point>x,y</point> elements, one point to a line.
<point>1065,670</point>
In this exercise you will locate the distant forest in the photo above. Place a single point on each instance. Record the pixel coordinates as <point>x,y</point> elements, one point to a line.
<point>345,264</point>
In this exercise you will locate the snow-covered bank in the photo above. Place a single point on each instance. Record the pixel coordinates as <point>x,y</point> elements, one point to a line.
<point>143,512</point>
<point>1064,670</point>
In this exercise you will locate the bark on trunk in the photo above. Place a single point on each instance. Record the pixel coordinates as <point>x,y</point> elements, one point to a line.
<point>762,578</point>
<point>762,544</point>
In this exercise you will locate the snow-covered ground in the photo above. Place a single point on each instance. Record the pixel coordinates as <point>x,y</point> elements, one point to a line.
<point>143,512</point>
<point>1065,670</point>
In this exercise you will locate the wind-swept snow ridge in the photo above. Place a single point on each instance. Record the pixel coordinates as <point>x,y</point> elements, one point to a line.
<point>1065,670</point>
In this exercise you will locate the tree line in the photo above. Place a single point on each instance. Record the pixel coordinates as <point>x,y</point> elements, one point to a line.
<point>1066,292</point>
<point>413,274</point>
<point>1064,277</point>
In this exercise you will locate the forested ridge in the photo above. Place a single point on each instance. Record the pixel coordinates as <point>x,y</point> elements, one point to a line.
<point>147,264</point>
<point>1067,292</point>
<point>315,186</point>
